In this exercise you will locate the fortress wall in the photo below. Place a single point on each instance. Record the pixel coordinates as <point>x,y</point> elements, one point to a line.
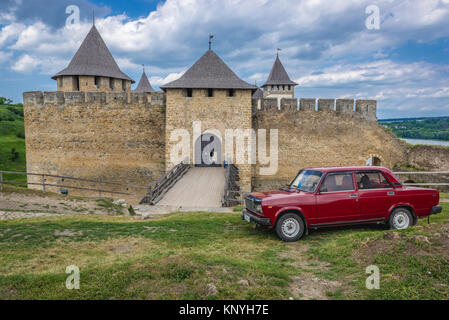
<point>309,138</point>
<point>365,109</point>
<point>429,157</point>
<point>117,137</point>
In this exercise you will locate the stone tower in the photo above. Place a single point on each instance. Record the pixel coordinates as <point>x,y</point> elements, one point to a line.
<point>93,69</point>
<point>278,84</point>
<point>212,96</point>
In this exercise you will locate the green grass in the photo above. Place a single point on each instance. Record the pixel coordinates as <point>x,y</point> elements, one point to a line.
<point>12,137</point>
<point>110,206</point>
<point>444,195</point>
<point>175,256</point>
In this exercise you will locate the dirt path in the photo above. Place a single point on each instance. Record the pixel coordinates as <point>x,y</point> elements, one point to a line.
<point>19,205</point>
<point>307,285</point>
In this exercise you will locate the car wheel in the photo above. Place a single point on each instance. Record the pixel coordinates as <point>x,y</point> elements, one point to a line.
<point>290,227</point>
<point>400,218</point>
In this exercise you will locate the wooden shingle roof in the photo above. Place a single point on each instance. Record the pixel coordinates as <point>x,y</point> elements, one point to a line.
<point>93,58</point>
<point>209,72</point>
<point>278,75</point>
<point>144,84</point>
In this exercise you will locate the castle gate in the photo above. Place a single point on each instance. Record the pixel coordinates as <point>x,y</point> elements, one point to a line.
<point>208,150</point>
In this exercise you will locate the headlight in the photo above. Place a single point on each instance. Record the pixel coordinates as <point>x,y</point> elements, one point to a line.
<point>258,207</point>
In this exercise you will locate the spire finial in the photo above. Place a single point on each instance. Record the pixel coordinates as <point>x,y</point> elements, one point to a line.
<point>277,53</point>
<point>210,41</point>
<point>93,17</point>
<point>143,67</point>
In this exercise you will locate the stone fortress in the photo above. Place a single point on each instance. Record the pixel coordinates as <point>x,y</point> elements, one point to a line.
<point>95,127</point>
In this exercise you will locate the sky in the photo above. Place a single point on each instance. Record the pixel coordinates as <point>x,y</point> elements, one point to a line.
<point>332,49</point>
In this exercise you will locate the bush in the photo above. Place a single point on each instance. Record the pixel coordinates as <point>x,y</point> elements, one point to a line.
<point>20,135</point>
<point>6,115</point>
<point>16,109</point>
<point>14,155</point>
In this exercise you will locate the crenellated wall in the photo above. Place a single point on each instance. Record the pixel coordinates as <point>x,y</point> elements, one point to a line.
<point>125,137</point>
<point>331,133</point>
<point>114,136</point>
<point>365,109</point>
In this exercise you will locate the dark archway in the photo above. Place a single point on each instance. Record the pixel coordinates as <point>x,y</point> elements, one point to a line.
<point>377,161</point>
<point>208,151</point>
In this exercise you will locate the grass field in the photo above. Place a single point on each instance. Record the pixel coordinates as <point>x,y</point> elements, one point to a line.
<point>180,255</point>
<point>12,140</point>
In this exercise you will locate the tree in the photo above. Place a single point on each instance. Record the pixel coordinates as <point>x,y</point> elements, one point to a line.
<point>4,101</point>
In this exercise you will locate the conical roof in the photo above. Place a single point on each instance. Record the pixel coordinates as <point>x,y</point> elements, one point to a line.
<point>144,84</point>
<point>209,72</point>
<point>278,75</point>
<point>93,58</point>
<point>258,94</point>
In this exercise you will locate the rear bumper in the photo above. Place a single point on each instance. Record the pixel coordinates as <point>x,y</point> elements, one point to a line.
<point>255,218</point>
<point>436,209</point>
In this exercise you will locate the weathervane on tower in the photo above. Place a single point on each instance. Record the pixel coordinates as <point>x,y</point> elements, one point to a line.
<point>210,41</point>
<point>277,53</point>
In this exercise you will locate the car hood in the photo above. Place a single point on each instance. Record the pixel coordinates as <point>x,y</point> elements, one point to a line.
<point>275,194</point>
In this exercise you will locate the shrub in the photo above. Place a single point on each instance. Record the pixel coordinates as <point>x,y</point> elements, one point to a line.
<point>14,154</point>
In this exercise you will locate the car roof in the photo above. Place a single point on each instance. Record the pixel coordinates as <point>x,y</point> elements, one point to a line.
<point>359,168</point>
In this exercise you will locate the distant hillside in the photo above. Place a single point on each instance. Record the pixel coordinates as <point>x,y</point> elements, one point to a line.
<point>436,128</point>
<point>12,138</point>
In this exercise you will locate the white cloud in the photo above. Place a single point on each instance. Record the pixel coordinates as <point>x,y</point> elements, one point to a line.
<point>158,81</point>
<point>5,56</point>
<point>10,33</point>
<point>320,42</point>
<point>27,64</point>
<point>383,72</point>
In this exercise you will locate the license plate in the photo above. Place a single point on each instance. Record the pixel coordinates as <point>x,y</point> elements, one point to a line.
<point>247,218</point>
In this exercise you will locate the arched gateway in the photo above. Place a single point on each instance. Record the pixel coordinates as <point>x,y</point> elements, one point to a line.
<point>208,151</point>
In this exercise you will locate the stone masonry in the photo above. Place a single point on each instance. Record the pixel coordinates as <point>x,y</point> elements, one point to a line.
<point>104,136</point>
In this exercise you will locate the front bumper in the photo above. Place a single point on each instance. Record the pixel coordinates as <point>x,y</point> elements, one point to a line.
<point>255,218</point>
<point>436,209</point>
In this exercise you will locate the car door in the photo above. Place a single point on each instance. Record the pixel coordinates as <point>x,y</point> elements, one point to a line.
<point>337,199</point>
<point>376,194</point>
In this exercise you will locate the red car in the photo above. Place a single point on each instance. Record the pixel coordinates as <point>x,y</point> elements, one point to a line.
<point>323,197</point>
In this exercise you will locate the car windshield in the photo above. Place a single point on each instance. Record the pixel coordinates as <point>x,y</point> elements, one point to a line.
<point>307,180</point>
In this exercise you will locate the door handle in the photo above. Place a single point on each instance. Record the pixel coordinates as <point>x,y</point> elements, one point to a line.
<point>390,193</point>
<point>353,195</point>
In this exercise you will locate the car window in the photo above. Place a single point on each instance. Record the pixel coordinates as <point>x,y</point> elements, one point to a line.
<point>372,180</point>
<point>307,180</point>
<point>337,182</point>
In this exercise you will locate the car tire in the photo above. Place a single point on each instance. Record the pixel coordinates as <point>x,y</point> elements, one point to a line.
<point>290,227</point>
<point>400,218</point>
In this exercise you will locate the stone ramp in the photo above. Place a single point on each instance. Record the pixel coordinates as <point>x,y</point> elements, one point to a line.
<point>199,187</point>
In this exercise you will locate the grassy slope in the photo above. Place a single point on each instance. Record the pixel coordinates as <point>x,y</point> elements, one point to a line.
<point>176,256</point>
<point>9,139</point>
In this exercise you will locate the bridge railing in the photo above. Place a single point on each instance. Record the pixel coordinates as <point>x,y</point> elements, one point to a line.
<point>43,182</point>
<point>231,191</point>
<point>157,189</point>
<point>410,182</point>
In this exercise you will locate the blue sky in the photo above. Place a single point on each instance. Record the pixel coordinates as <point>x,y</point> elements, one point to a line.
<point>326,46</point>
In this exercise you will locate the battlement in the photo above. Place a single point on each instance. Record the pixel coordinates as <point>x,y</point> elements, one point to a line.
<point>365,109</point>
<point>68,98</point>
